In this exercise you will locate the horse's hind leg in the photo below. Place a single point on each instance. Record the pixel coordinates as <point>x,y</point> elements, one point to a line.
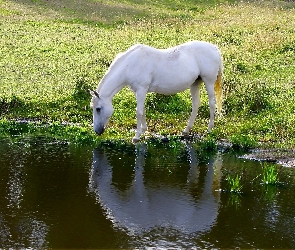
<point>195,94</point>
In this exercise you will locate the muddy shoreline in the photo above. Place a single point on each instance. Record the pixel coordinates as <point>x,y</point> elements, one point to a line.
<point>282,157</point>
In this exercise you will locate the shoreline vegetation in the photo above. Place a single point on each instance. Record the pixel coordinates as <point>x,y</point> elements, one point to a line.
<point>53,51</point>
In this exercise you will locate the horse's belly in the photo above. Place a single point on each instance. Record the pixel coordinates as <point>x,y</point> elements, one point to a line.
<point>172,85</point>
<point>168,90</point>
<point>173,76</point>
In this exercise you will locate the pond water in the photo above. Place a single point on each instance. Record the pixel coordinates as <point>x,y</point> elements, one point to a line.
<point>54,195</point>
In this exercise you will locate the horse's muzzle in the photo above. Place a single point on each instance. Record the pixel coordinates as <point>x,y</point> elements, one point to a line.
<point>99,130</point>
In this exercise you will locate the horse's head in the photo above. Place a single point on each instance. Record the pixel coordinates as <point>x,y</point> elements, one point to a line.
<point>102,111</point>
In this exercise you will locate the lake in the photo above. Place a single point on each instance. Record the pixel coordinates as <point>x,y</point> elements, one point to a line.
<point>152,195</point>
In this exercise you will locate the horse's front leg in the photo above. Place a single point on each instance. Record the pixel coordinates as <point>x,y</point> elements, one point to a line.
<point>140,115</point>
<point>143,124</point>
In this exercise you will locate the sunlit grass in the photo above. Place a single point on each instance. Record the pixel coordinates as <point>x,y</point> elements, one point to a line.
<point>46,50</point>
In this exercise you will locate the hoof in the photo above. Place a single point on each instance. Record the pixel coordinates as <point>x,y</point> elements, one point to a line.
<point>165,139</point>
<point>135,140</point>
<point>184,133</point>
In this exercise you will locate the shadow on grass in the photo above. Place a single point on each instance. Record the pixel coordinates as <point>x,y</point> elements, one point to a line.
<point>69,109</point>
<point>84,11</point>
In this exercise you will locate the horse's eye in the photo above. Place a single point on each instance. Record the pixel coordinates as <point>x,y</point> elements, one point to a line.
<point>98,110</point>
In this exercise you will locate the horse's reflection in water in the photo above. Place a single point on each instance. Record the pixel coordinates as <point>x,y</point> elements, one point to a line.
<point>145,205</point>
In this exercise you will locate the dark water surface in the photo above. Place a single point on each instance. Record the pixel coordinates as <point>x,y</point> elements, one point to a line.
<point>55,195</point>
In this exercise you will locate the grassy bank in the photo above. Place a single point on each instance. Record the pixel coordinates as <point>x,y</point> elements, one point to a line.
<point>52,51</point>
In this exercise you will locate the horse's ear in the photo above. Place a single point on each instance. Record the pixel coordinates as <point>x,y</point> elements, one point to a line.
<point>93,93</point>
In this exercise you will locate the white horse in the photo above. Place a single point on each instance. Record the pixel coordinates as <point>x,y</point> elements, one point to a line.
<point>166,71</point>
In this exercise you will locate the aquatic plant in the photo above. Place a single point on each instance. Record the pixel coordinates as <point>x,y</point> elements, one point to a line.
<point>234,183</point>
<point>270,175</point>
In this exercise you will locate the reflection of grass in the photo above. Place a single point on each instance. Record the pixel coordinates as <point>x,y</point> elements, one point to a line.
<point>234,183</point>
<point>270,175</point>
<point>234,200</point>
<point>269,192</point>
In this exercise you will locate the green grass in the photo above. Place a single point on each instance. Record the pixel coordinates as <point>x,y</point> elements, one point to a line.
<point>52,51</point>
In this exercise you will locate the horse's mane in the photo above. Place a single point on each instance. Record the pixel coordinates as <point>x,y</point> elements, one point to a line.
<point>119,57</point>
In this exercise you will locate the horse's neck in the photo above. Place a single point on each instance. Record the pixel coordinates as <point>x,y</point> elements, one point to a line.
<point>110,85</point>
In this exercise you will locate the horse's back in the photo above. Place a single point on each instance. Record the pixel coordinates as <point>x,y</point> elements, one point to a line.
<point>165,71</point>
<point>197,49</point>
<point>207,55</point>
<point>170,70</point>
<point>202,50</point>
